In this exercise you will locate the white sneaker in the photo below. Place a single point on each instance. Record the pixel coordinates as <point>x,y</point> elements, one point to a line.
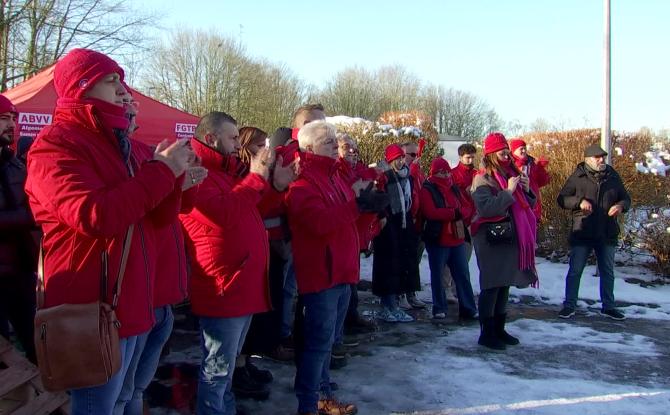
<point>402,317</point>
<point>388,316</point>
<point>403,303</point>
<point>415,302</point>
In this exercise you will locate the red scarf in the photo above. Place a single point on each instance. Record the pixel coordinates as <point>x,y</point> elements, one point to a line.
<point>444,185</point>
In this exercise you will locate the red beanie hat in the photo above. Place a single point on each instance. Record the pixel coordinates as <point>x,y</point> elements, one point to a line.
<point>494,142</point>
<point>439,165</point>
<point>80,69</point>
<point>516,143</point>
<point>7,106</point>
<point>392,152</point>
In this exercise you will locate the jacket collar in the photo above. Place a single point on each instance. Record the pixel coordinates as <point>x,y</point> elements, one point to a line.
<point>318,164</point>
<point>213,160</point>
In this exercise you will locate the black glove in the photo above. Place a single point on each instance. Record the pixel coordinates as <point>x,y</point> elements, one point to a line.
<point>372,201</point>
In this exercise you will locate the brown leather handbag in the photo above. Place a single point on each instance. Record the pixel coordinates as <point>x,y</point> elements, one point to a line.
<point>77,345</point>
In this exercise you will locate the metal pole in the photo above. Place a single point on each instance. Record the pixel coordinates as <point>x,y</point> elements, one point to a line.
<point>606,129</point>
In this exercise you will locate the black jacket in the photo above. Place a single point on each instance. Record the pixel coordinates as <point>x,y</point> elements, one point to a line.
<point>17,246</point>
<point>603,193</point>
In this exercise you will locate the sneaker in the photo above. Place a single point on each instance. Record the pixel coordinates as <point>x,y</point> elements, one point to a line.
<point>402,317</point>
<point>440,316</point>
<point>259,375</point>
<point>338,351</point>
<point>403,303</point>
<point>348,341</point>
<point>566,312</point>
<point>613,313</point>
<point>388,316</point>
<point>415,302</point>
<point>333,407</point>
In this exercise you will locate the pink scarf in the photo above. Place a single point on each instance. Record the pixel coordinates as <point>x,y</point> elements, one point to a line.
<point>525,224</point>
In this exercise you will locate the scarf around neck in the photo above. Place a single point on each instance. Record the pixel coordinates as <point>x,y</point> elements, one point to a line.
<point>400,193</point>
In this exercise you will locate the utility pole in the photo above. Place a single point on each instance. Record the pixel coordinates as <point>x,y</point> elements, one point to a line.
<point>606,129</point>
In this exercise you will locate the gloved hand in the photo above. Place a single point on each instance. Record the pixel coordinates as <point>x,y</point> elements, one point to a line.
<point>372,201</point>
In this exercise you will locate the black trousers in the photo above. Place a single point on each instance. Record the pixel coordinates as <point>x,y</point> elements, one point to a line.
<point>17,306</point>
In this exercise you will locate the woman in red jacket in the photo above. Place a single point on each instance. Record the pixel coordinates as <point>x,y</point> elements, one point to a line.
<point>82,194</point>
<point>444,209</point>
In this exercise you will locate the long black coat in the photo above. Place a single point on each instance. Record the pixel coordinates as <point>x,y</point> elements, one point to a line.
<point>18,252</point>
<point>395,266</point>
<point>597,226</point>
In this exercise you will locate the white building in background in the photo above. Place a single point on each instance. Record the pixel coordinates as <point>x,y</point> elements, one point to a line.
<point>449,144</point>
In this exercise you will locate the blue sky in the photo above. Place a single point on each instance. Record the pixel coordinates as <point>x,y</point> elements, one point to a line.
<point>529,59</point>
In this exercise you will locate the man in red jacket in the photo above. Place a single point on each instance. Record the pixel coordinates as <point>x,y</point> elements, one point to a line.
<point>86,185</point>
<point>536,170</point>
<point>322,212</point>
<point>228,244</point>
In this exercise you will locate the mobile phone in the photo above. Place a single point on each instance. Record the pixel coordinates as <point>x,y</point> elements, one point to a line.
<point>267,142</point>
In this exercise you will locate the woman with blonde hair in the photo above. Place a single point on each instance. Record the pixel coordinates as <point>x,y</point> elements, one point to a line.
<point>504,238</point>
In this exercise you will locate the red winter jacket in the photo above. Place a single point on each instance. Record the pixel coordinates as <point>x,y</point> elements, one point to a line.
<point>322,214</point>
<point>417,183</point>
<point>367,224</point>
<point>453,202</point>
<point>539,177</point>
<point>226,239</point>
<point>81,195</point>
<point>171,283</point>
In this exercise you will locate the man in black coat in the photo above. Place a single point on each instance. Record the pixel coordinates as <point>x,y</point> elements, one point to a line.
<point>596,196</point>
<point>17,247</point>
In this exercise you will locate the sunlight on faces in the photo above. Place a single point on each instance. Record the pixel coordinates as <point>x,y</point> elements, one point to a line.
<point>521,153</point>
<point>398,163</point>
<point>411,153</point>
<point>503,155</point>
<point>226,140</point>
<point>7,126</point>
<point>255,146</point>
<point>109,89</point>
<point>348,149</point>
<point>596,163</point>
<point>467,159</point>
<point>319,138</point>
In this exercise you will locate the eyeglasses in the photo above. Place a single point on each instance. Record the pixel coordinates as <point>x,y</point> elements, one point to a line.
<point>412,154</point>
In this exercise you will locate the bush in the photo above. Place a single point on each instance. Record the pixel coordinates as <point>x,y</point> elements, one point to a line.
<point>564,150</point>
<point>392,127</point>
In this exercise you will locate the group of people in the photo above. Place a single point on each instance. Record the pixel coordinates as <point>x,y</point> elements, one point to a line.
<point>239,222</point>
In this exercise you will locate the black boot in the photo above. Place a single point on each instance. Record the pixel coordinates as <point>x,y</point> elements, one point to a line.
<point>488,338</point>
<point>259,375</point>
<point>504,336</point>
<point>245,387</point>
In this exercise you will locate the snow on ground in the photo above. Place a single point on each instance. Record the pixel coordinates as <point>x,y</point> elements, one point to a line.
<point>640,302</point>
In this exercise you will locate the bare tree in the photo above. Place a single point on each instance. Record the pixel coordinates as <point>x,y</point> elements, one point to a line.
<point>36,33</point>
<point>200,72</point>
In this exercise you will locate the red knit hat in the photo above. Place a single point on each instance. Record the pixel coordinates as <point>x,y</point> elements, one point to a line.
<point>494,142</point>
<point>80,69</point>
<point>516,143</point>
<point>7,106</point>
<point>439,165</point>
<point>392,152</point>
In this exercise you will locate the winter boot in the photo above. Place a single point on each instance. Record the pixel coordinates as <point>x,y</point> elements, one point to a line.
<point>504,336</point>
<point>487,337</point>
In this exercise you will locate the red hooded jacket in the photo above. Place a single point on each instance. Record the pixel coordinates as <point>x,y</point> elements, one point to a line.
<point>322,214</point>
<point>81,195</point>
<point>226,239</point>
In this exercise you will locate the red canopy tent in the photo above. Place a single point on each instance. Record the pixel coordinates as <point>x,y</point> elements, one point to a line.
<point>35,100</point>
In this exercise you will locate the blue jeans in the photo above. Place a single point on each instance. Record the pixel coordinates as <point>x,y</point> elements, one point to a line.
<point>290,289</point>
<point>100,400</point>
<point>221,340</point>
<point>144,363</point>
<point>323,310</point>
<point>455,258</point>
<point>579,254</point>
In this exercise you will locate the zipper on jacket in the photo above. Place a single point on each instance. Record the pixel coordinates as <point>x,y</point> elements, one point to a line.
<point>146,272</point>
<point>182,290</point>
<point>43,339</point>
